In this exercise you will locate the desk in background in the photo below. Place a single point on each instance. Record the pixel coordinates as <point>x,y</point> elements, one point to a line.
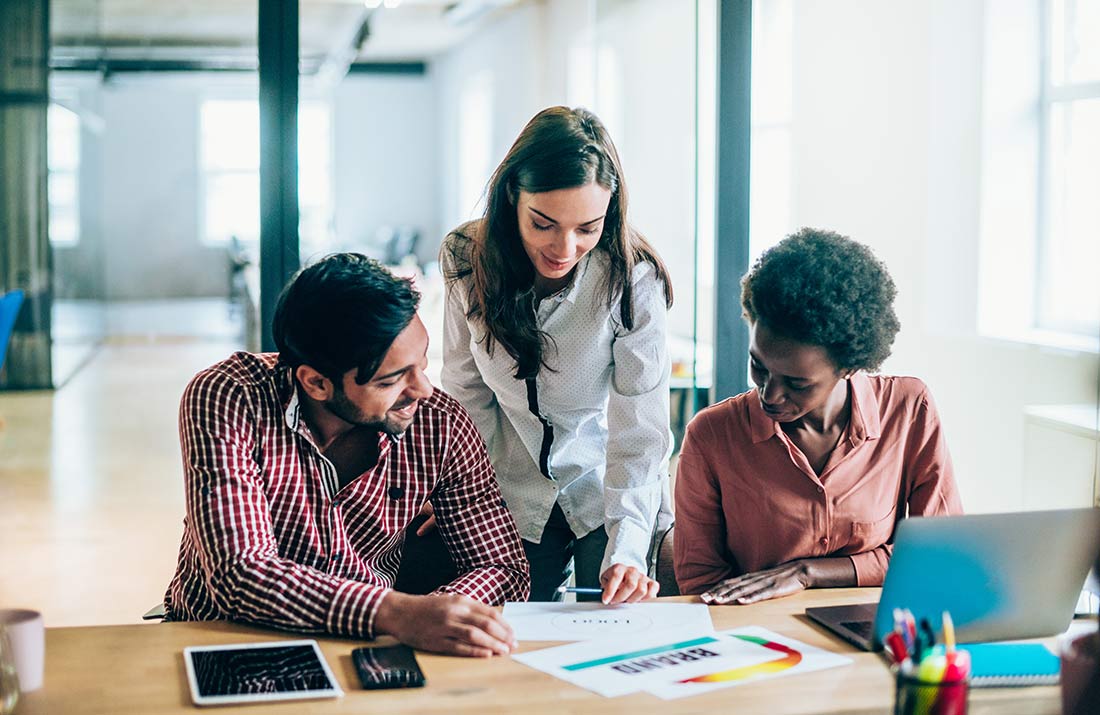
<point>124,670</point>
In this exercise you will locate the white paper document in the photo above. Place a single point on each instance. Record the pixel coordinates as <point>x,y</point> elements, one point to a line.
<point>674,664</point>
<point>549,621</point>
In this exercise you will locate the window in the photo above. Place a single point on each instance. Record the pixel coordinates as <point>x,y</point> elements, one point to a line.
<point>63,147</point>
<point>230,156</point>
<point>315,178</point>
<point>1040,175</point>
<point>230,161</point>
<point>1068,295</point>
<point>771,181</point>
<point>475,139</point>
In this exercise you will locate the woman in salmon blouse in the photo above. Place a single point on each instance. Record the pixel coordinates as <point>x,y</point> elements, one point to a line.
<point>800,483</point>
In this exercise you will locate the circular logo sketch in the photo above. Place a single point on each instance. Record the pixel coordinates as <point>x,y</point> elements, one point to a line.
<point>602,622</point>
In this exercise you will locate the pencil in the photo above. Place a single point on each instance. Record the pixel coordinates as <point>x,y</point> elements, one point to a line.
<point>948,633</point>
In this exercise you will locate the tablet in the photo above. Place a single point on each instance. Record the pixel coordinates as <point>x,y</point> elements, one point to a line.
<point>258,672</point>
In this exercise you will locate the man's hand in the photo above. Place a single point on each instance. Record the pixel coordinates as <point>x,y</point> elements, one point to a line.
<point>429,523</point>
<point>626,584</point>
<point>445,623</point>
<point>783,580</point>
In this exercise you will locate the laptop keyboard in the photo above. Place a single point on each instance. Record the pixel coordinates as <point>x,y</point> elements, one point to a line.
<point>862,628</point>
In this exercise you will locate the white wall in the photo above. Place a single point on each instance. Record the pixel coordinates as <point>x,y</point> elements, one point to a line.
<point>139,194</point>
<point>508,55</point>
<point>151,194</point>
<point>385,159</point>
<point>887,148</point>
<point>648,100</point>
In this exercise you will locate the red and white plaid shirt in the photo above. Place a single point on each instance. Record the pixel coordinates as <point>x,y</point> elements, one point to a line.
<point>270,537</point>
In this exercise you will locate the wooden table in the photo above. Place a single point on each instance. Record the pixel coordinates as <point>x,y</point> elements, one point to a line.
<point>139,669</point>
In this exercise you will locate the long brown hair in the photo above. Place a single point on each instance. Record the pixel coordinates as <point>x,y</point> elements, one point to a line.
<point>560,148</point>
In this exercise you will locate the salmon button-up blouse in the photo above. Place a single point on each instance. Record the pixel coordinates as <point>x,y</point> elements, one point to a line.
<point>747,499</point>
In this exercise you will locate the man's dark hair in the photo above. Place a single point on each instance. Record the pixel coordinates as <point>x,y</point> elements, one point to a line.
<point>824,289</point>
<point>342,312</point>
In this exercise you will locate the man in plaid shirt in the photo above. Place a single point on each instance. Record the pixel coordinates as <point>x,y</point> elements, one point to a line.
<point>303,469</point>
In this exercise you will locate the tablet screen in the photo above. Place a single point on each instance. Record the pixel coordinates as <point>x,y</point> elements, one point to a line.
<point>259,671</point>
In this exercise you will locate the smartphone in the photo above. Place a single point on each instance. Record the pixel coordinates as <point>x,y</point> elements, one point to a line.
<point>387,667</point>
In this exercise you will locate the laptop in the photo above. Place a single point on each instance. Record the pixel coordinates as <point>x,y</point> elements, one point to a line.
<point>1002,576</point>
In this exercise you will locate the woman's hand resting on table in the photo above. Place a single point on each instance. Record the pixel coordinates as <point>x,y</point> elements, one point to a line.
<point>783,580</point>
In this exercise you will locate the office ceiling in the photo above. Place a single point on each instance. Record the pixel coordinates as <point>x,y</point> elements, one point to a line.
<point>221,34</point>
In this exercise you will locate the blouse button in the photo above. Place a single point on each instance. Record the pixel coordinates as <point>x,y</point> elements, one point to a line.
<point>396,493</point>
<point>824,541</point>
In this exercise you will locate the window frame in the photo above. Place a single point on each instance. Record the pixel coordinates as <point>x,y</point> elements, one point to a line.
<point>72,171</point>
<point>1052,94</point>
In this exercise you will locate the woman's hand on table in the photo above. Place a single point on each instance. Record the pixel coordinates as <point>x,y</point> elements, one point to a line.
<point>783,580</point>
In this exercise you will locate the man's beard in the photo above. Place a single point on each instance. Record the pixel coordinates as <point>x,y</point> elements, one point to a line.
<point>346,410</point>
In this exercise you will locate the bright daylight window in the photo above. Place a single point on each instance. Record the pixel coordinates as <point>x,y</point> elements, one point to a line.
<point>1068,297</point>
<point>770,182</point>
<point>230,160</point>
<point>475,140</point>
<point>314,177</point>
<point>63,148</point>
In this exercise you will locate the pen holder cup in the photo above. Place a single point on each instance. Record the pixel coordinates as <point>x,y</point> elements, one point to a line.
<point>918,697</point>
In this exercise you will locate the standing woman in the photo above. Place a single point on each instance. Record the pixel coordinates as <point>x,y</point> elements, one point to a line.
<point>554,340</point>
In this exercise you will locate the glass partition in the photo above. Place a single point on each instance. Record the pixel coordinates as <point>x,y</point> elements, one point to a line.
<point>153,184</point>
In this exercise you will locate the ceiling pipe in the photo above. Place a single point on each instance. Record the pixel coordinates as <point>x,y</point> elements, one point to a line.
<point>335,66</point>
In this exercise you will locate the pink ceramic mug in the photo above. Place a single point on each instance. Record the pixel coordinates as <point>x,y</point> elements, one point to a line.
<point>27,636</point>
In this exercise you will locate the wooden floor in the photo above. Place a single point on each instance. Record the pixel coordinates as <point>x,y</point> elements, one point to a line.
<point>91,497</point>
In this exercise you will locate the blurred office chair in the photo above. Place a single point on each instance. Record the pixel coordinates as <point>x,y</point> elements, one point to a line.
<point>9,308</point>
<point>398,244</point>
<point>239,261</point>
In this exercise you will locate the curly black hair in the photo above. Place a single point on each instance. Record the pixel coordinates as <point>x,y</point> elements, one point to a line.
<point>824,289</point>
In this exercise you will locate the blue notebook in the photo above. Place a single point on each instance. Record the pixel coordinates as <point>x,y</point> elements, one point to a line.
<point>1011,664</point>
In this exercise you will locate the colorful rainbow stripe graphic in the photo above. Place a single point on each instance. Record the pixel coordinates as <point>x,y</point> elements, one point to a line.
<point>639,653</point>
<point>791,659</point>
